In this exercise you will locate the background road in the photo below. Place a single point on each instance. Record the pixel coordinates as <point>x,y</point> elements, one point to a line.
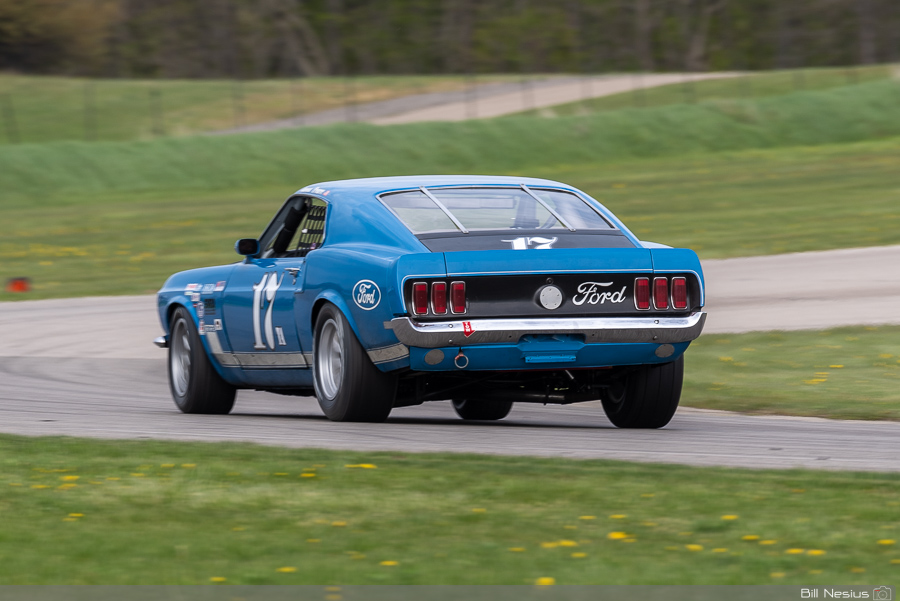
<point>86,367</point>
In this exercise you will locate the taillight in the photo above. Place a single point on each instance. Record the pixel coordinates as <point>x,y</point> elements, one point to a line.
<point>439,298</point>
<point>458,297</point>
<point>679,293</point>
<point>420,298</point>
<point>661,293</point>
<point>642,293</point>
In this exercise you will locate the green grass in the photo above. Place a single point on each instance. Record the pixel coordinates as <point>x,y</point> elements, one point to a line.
<point>756,85</point>
<point>725,205</point>
<point>89,512</point>
<point>45,109</point>
<point>843,373</point>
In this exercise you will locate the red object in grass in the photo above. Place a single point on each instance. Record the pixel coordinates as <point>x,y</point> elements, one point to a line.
<point>18,285</point>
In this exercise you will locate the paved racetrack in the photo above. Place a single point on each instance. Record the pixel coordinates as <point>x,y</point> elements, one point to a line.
<point>86,367</point>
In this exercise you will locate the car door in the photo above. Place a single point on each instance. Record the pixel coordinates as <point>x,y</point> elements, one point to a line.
<point>259,305</point>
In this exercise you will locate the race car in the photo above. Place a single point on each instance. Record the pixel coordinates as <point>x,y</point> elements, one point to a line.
<point>479,290</point>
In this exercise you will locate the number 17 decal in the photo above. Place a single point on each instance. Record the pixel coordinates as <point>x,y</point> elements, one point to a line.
<point>264,294</point>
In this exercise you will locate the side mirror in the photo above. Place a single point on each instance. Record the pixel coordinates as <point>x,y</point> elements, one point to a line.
<point>248,247</point>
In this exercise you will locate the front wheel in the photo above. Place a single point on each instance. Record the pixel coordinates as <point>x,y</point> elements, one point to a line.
<point>647,398</point>
<point>195,385</point>
<point>484,410</point>
<point>348,385</point>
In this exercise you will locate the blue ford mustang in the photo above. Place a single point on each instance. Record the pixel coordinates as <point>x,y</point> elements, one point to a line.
<point>485,291</point>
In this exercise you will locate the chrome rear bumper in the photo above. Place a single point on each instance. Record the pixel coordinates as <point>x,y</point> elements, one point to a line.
<point>658,330</point>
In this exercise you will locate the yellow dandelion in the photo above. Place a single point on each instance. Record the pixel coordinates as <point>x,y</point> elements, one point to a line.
<point>167,465</point>
<point>239,528</point>
<point>616,535</point>
<point>885,356</point>
<point>648,524</point>
<point>794,551</point>
<point>138,474</point>
<point>113,478</point>
<point>856,570</point>
<point>307,475</point>
<point>549,545</point>
<point>280,474</point>
<point>694,547</point>
<point>587,517</point>
<point>836,366</point>
<point>720,550</point>
<point>357,556</point>
<point>314,540</point>
<point>217,579</point>
<point>287,569</point>
<point>188,466</point>
<point>567,543</point>
<point>777,575</point>
<point>887,541</point>
<point>67,486</point>
<point>76,515</point>
<point>750,537</point>
<point>365,466</point>
<point>333,597</point>
<point>15,484</point>
<point>814,572</point>
<point>545,581</point>
<point>570,527</point>
<point>895,561</point>
<point>339,523</point>
<point>70,519</point>
<point>479,510</point>
<point>618,516</point>
<point>69,478</point>
<point>39,486</point>
<point>390,562</point>
<point>517,549</point>
<point>768,542</point>
<point>816,552</point>
<point>726,359</point>
<point>579,555</point>
<point>729,517</point>
<point>648,495</point>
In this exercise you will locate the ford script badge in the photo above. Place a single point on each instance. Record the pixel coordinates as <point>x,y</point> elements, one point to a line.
<point>366,295</point>
<point>551,297</point>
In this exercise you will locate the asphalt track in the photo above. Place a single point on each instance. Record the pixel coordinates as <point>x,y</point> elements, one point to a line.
<point>86,367</point>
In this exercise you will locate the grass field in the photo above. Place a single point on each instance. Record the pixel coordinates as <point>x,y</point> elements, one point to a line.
<point>89,512</point>
<point>37,109</point>
<point>724,205</point>
<point>755,85</point>
<point>843,373</point>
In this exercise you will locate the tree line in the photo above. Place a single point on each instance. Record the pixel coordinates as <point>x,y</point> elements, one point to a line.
<point>298,38</point>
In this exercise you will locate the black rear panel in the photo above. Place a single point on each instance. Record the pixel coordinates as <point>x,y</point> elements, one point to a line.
<point>609,295</point>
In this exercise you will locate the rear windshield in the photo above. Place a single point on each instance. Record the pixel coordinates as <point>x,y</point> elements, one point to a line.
<point>473,209</point>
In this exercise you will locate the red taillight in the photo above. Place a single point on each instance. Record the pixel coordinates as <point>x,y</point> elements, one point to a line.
<point>439,298</point>
<point>420,298</point>
<point>642,293</point>
<point>458,297</point>
<point>679,293</point>
<point>661,293</point>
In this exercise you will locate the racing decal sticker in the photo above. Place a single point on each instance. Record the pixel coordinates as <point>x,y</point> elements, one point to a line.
<point>191,288</point>
<point>195,297</point>
<point>218,324</point>
<point>366,295</point>
<point>200,311</point>
<point>536,242</point>
<point>280,334</point>
<point>468,330</point>
<point>263,299</point>
<point>201,329</point>
<point>590,293</point>
<point>208,289</point>
<point>220,286</point>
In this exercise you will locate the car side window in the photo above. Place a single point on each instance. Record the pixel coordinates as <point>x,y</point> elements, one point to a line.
<point>311,232</point>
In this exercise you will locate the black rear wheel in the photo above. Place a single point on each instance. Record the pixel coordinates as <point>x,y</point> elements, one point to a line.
<point>647,398</point>
<point>482,409</point>
<point>348,385</point>
<point>195,385</point>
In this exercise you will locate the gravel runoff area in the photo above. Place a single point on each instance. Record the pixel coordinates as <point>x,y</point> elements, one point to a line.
<point>481,101</point>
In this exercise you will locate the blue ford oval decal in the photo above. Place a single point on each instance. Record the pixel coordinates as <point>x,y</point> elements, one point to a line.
<point>366,295</point>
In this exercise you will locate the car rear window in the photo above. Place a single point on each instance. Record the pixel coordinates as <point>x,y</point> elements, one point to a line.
<point>472,209</point>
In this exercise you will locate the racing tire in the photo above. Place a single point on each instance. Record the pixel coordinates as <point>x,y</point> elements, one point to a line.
<point>647,398</point>
<point>348,385</point>
<point>481,410</point>
<point>195,385</point>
